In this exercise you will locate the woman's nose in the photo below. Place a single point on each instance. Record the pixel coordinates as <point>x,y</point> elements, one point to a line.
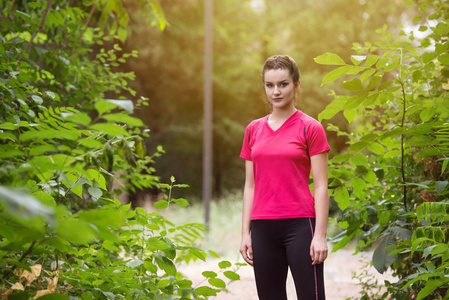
<point>276,90</point>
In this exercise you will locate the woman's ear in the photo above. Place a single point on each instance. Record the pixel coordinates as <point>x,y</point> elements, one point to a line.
<point>297,86</point>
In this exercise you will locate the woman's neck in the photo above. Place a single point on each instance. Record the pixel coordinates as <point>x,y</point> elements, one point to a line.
<point>283,114</point>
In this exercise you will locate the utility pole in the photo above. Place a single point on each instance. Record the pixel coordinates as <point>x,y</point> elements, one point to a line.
<point>207,109</point>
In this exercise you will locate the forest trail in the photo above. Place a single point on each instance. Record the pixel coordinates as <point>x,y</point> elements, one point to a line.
<point>339,281</point>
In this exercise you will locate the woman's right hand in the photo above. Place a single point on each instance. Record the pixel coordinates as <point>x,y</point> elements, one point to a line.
<point>246,249</point>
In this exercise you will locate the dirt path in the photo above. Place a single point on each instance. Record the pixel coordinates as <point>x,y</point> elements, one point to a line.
<point>339,268</point>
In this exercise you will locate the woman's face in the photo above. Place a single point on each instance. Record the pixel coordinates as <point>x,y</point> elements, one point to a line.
<point>280,88</point>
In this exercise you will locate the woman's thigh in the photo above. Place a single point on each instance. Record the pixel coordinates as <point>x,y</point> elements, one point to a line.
<point>308,278</point>
<point>270,262</point>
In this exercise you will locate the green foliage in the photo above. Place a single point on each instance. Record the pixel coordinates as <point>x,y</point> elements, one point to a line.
<point>392,183</point>
<point>69,143</point>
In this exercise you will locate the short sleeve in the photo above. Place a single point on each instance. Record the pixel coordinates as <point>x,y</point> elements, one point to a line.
<point>246,147</point>
<point>316,138</point>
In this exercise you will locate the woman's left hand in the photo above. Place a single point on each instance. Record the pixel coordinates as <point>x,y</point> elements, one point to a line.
<point>318,250</point>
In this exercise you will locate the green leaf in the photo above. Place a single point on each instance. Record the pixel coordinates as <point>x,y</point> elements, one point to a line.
<point>392,66</point>
<point>357,59</point>
<point>135,263</point>
<point>50,134</point>
<point>439,249</point>
<point>431,286</point>
<point>231,275</point>
<point>333,108</point>
<point>360,160</point>
<point>335,74</point>
<point>181,202</point>
<point>359,187</point>
<point>45,198</point>
<point>95,192</point>
<point>353,85</point>
<point>198,253</point>
<point>157,244</point>
<point>367,74</point>
<point>8,126</point>
<point>427,57</point>
<point>371,60</point>
<point>78,118</point>
<point>205,291</point>
<point>166,265</point>
<point>110,129</point>
<point>184,284</point>
<point>356,100</point>
<point>329,59</point>
<point>224,264</point>
<point>340,158</point>
<point>382,63</point>
<point>75,231</point>
<point>103,106</point>
<point>24,206</point>
<point>370,177</point>
<point>209,274</point>
<point>382,259</point>
<point>89,142</point>
<point>426,114</point>
<point>376,148</point>
<point>385,84</point>
<point>125,104</point>
<point>123,118</point>
<point>350,114</point>
<point>140,149</point>
<point>54,297</point>
<point>42,149</point>
<point>341,196</point>
<point>444,59</point>
<point>217,282</point>
<point>37,99</point>
<point>355,70</point>
<point>343,241</point>
<point>445,163</point>
<point>375,80</point>
<point>150,267</point>
<point>161,204</point>
<point>53,96</point>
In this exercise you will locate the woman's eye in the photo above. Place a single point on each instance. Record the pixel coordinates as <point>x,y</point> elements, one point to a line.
<point>269,85</point>
<point>284,84</point>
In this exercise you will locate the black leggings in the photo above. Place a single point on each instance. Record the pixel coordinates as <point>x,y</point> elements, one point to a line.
<point>279,244</point>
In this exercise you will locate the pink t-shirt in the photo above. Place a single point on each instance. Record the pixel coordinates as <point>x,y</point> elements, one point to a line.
<point>282,166</point>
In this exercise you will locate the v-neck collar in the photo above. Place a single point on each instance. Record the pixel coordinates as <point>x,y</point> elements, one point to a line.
<point>296,113</point>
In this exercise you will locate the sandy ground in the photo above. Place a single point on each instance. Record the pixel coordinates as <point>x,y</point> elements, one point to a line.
<point>339,269</point>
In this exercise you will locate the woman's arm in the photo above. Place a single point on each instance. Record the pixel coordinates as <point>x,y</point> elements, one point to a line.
<point>318,247</point>
<point>248,195</point>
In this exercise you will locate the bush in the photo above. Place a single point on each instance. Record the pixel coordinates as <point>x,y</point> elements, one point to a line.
<point>66,135</point>
<point>392,184</point>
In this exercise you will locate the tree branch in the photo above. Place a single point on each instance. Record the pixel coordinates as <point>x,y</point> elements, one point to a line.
<point>92,10</point>
<point>37,30</point>
<point>12,4</point>
<point>402,148</point>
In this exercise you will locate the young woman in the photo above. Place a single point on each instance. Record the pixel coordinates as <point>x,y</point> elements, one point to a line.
<point>284,224</point>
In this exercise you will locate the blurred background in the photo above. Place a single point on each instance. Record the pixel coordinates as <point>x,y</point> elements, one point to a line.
<point>169,71</point>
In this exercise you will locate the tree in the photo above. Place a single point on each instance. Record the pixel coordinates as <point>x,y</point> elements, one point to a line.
<point>392,183</point>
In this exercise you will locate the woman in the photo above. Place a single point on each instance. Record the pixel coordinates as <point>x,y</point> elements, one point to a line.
<point>284,225</point>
